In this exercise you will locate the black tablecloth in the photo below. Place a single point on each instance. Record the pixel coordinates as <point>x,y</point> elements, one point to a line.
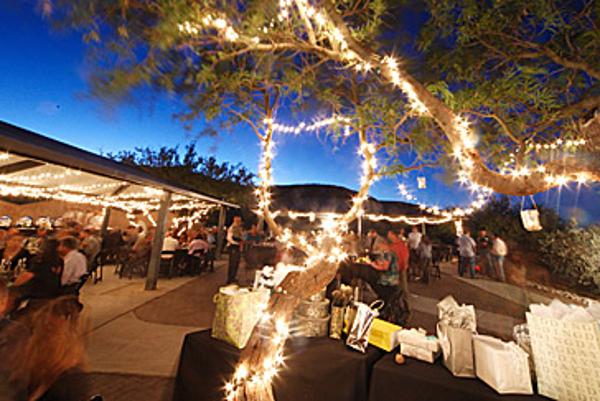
<point>416,380</point>
<point>257,256</point>
<point>316,369</point>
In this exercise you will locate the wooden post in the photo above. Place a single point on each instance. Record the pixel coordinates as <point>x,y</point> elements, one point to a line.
<point>105,222</point>
<point>157,242</point>
<point>220,235</point>
<point>359,224</point>
<point>423,230</point>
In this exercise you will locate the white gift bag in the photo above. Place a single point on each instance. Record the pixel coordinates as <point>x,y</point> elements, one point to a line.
<point>457,349</point>
<point>502,366</point>
<point>566,354</point>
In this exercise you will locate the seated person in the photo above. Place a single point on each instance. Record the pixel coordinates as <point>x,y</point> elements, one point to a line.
<point>198,245</point>
<point>90,245</point>
<point>42,279</point>
<point>74,262</point>
<point>170,244</point>
<point>15,248</point>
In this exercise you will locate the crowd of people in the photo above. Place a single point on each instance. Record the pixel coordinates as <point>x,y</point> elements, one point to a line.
<point>48,263</point>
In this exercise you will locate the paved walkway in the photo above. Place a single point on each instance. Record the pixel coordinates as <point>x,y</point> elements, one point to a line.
<point>129,359</point>
<point>521,295</point>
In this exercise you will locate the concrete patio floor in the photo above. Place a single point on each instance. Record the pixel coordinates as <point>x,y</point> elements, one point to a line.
<point>129,359</point>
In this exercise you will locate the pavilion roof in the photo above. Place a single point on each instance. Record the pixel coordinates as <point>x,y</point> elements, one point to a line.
<point>33,163</point>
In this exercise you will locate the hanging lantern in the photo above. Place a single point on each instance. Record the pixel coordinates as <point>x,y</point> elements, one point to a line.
<point>530,217</point>
<point>421,182</point>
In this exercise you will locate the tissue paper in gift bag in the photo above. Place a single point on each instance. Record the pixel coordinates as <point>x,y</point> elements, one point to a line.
<point>384,335</point>
<point>457,348</point>
<point>237,311</point>
<point>502,366</point>
<point>566,350</point>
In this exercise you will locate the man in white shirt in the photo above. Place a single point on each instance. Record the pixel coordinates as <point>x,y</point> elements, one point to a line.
<point>414,240</point>
<point>235,235</point>
<point>74,262</point>
<point>170,244</point>
<point>466,249</point>
<point>499,252</point>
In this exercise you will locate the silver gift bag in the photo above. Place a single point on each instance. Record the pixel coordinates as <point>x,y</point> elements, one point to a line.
<point>358,337</point>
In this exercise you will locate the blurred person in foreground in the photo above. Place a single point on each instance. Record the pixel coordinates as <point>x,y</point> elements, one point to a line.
<point>11,334</point>
<point>48,363</point>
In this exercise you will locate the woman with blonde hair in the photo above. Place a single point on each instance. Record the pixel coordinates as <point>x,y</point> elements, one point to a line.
<point>54,349</point>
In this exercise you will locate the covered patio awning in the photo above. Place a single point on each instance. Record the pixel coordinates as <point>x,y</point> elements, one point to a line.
<point>36,167</point>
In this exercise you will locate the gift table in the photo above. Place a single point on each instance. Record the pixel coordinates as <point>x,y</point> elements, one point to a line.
<point>416,380</point>
<point>317,369</point>
<point>260,255</point>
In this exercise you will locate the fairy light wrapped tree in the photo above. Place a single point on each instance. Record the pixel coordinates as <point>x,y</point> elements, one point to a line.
<point>521,96</point>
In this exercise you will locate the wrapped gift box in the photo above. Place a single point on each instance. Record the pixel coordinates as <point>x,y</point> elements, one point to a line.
<point>419,338</point>
<point>384,335</point>
<point>419,353</point>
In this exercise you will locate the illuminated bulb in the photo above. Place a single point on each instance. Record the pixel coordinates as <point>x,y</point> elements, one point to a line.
<point>242,372</point>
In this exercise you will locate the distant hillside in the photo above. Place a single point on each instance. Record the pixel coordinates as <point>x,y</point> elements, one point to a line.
<point>332,198</point>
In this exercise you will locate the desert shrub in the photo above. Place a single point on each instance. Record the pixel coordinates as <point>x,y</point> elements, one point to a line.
<point>574,253</point>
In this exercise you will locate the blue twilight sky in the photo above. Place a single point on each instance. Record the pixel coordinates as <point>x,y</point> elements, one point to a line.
<point>42,88</point>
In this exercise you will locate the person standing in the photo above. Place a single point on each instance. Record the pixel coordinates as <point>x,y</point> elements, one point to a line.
<point>235,235</point>
<point>372,242</point>
<point>398,246</point>
<point>498,254</point>
<point>425,256</point>
<point>484,246</point>
<point>389,274</point>
<point>414,239</point>
<point>466,249</point>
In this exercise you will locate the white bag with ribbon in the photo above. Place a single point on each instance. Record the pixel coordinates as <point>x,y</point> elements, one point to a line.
<point>358,337</point>
<point>455,331</point>
<point>501,365</point>
<point>530,217</point>
<point>565,340</point>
